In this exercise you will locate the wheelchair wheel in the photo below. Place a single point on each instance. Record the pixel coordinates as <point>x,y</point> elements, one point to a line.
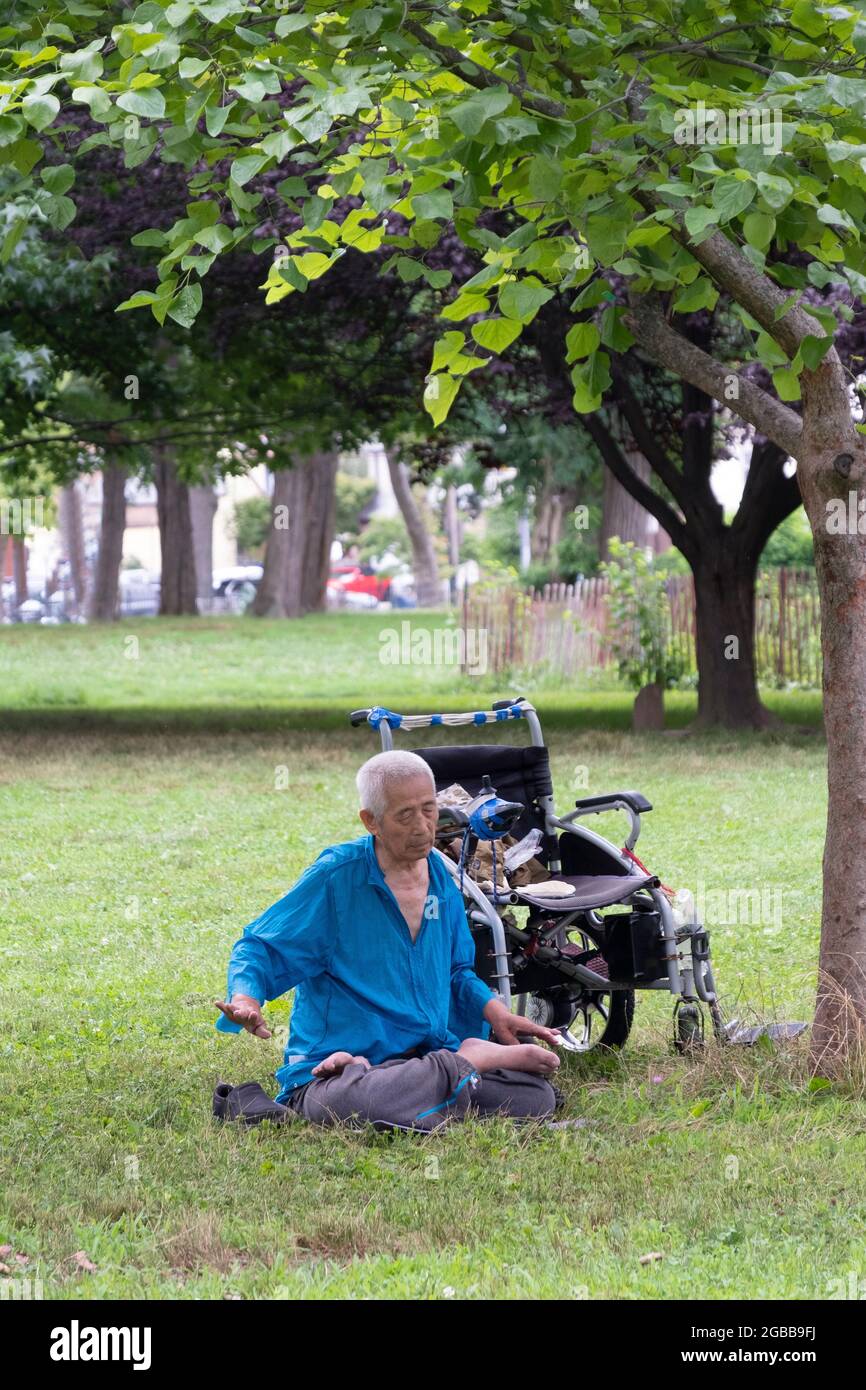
<point>593,1020</point>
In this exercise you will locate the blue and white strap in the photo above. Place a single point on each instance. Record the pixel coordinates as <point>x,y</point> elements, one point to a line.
<point>380,715</point>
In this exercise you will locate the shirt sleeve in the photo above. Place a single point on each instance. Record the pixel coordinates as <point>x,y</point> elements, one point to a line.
<point>293,940</point>
<point>467,989</point>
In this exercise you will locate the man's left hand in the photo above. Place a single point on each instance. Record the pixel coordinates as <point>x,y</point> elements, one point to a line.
<point>507,1026</point>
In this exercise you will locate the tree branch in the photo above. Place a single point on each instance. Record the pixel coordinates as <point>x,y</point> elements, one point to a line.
<point>635,486</point>
<point>767,499</point>
<point>482,78</point>
<point>647,442</point>
<point>769,416</point>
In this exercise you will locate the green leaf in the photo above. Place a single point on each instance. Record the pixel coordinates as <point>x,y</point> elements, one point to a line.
<point>243,169</point>
<point>590,380</point>
<point>769,352</point>
<point>446,349</point>
<point>409,270</point>
<point>60,211</point>
<point>315,212</point>
<point>24,154</point>
<point>647,234</point>
<point>215,118</point>
<point>313,264</point>
<point>58,177</point>
<point>439,395</point>
<point>606,235</point>
<point>806,17</point>
<point>464,305</point>
<point>12,238</point>
<point>39,111</point>
<point>430,206</point>
<point>185,308</point>
<point>469,116</point>
<point>698,219</point>
<point>813,349</point>
<point>592,295</point>
<point>732,196</point>
<point>614,333</point>
<point>701,294</point>
<point>775,190</point>
<point>496,334</point>
<point>193,67</point>
<point>759,228</point>
<point>148,102</point>
<point>522,299</point>
<point>835,217</point>
<point>787,384</point>
<point>137,301</point>
<point>290,23</point>
<point>152,236</point>
<point>97,99</point>
<point>545,178</point>
<point>581,340</point>
<point>215,238</point>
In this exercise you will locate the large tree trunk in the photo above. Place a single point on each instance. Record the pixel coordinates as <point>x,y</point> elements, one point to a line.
<point>725,637</point>
<point>554,503</point>
<point>19,569</point>
<point>269,601</point>
<point>452,528</point>
<point>312,510</point>
<point>831,472</point>
<point>178,585</point>
<point>202,510</point>
<point>4,543</point>
<point>428,589</point>
<point>621,515</point>
<point>72,530</point>
<point>102,603</point>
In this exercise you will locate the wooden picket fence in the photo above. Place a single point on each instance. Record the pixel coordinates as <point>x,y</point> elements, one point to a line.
<point>563,628</point>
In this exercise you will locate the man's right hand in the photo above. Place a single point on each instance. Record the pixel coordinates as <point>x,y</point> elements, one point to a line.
<point>247,1012</point>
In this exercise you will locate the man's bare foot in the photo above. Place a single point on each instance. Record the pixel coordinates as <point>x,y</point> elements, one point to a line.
<point>484,1056</point>
<point>336,1062</point>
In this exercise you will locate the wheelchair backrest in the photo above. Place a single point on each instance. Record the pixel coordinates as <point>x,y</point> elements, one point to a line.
<point>518,774</point>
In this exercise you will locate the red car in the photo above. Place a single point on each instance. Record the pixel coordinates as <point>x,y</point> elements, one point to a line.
<point>359,579</point>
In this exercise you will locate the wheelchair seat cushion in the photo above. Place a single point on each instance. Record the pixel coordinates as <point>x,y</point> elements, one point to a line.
<point>587,891</point>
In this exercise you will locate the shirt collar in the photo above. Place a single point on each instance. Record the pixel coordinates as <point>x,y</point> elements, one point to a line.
<point>374,869</point>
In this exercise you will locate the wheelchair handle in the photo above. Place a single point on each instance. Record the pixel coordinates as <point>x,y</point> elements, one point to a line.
<point>358,716</point>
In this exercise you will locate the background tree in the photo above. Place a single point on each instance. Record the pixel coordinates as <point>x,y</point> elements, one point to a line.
<point>582,125</point>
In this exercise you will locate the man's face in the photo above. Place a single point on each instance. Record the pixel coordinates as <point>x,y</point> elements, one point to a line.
<point>408,825</point>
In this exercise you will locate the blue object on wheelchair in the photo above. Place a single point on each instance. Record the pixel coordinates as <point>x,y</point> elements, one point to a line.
<point>490,817</point>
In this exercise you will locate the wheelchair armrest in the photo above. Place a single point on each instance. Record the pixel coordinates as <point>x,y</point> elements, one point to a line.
<point>630,802</point>
<point>634,800</point>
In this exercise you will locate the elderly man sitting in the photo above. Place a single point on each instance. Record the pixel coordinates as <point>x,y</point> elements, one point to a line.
<point>390,1023</point>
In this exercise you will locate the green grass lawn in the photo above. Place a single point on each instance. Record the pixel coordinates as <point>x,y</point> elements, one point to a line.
<point>242,673</point>
<point>135,847</point>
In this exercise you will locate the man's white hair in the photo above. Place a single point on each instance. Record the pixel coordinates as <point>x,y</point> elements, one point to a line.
<point>384,771</point>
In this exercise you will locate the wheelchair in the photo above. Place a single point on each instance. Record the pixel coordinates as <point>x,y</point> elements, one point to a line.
<point>574,962</point>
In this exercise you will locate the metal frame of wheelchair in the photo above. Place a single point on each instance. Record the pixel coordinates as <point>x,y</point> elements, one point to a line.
<point>553,982</point>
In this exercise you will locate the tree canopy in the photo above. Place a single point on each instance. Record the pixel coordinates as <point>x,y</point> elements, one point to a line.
<point>680,148</point>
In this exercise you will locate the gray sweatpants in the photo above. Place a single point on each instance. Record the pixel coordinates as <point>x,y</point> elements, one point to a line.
<point>421,1093</point>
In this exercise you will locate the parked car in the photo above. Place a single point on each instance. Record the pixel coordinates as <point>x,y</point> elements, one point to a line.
<point>351,585</point>
<point>138,594</point>
<point>234,589</point>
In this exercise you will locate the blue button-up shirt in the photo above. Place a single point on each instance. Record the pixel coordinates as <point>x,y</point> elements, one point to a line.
<point>362,985</point>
